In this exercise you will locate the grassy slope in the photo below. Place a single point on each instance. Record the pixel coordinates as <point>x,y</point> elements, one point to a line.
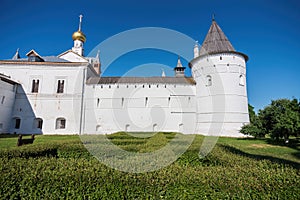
<point>236,168</point>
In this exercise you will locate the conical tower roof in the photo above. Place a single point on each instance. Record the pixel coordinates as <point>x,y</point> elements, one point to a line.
<point>215,41</point>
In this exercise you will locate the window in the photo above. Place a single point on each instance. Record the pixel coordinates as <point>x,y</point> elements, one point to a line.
<point>17,123</point>
<point>169,99</point>
<point>60,123</point>
<point>38,123</point>
<point>60,86</point>
<point>98,128</point>
<point>146,101</point>
<point>154,128</point>
<point>127,127</point>
<point>35,86</point>
<point>221,58</point>
<point>208,80</point>
<point>2,100</point>
<point>98,102</point>
<point>242,80</point>
<point>122,103</point>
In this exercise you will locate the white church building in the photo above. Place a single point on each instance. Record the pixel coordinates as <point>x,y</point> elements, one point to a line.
<point>66,94</point>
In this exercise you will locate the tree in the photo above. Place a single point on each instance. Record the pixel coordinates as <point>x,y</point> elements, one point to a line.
<point>280,119</point>
<point>255,127</point>
<point>252,114</point>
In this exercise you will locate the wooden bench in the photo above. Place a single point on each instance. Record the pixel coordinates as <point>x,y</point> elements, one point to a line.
<point>22,141</point>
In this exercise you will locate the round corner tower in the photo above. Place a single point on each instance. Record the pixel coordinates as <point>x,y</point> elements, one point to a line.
<point>220,75</point>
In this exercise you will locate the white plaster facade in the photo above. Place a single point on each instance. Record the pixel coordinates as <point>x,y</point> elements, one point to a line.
<point>66,95</point>
<point>7,99</point>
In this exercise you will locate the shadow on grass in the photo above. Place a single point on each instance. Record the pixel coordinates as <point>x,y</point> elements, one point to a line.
<point>260,157</point>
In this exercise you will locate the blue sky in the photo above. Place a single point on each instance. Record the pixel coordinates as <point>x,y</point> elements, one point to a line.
<point>267,31</point>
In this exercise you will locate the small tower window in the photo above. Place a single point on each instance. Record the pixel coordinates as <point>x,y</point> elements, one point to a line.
<point>146,101</point>
<point>242,80</point>
<point>208,80</point>
<point>35,86</point>
<point>221,58</point>
<point>98,102</point>
<point>122,102</point>
<point>60,86</point>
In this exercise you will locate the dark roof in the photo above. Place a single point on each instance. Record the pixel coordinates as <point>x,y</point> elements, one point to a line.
<point>7,79</point>
<point>141,80</point>
<point>215,41</point>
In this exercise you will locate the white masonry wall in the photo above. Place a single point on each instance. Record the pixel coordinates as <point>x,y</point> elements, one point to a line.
<point>221,94</point>
<point>139,107</point>
<point>7,99</point>
<point>47,104</point>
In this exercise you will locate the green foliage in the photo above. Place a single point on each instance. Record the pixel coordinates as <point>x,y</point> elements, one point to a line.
<point>253,130</point>
<point>252,115</point>
<point>230,171</point>
<point>255,127</point>
<point>280,119</point>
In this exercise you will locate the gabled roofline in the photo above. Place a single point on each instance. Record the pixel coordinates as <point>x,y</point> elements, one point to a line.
<point>72,52</point>
<point>32,51</point>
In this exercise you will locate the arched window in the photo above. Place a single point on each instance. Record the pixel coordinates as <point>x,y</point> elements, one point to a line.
<point>127,127</point>
<point>208,80</point>
<point>38,123</point>
<point>154,127</point>
<point>60,123</point>
<point>242,80</point>
<point>98,128</point>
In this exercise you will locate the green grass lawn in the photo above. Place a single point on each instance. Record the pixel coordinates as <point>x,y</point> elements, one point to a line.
<point>60,167</point>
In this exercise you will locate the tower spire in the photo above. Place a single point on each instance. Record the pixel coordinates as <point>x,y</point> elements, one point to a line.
<point>179,69</point>
<point>17,55</point>
<point>80,21</point>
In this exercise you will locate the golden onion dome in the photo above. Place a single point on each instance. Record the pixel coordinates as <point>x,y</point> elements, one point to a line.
<point>78,35</point>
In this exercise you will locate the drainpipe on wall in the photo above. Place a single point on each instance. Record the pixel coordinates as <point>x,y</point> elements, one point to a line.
<point>81,123</point>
